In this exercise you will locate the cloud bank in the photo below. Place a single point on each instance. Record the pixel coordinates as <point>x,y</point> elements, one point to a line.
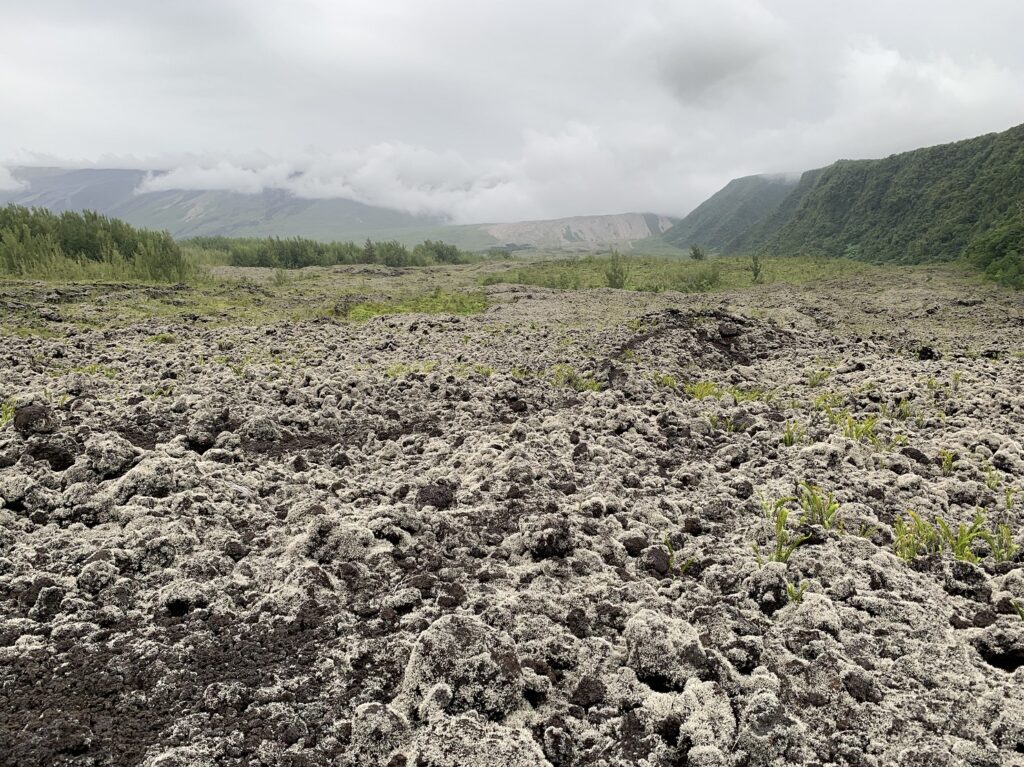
<point>491,111</point>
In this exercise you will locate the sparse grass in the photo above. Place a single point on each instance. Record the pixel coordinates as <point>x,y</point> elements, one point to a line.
<point>959,541</point>
<point>567,377</point>
<point>162,338</point>
<point>703,390</point>
<point>655,274</point>
<point>280,278</point>
<point>1001,543</point>
<point>916,536</point>
<point>723,423</point>
<point>817,508</point>
<point>677,569</point>
<point>405,369</point>
<point>861,430</point>
<point>1017,608</point>
<point>992,478</point>
<point>902,411</point>
<point>94,368</point>
<point>793,433</point>
<point>784,541</point>
<point>947,459</point>
<point>816,378</point>
<point>1008,497</point>
<point>6,413</point>
<point>751,395</point>
<point>665,379</point>
<point>864,530</point>
<point>436,302</point>
<point>795,591</point>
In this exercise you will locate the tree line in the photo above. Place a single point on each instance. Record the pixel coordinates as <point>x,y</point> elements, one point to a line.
<point>35,242</point>
<point>299,252</point>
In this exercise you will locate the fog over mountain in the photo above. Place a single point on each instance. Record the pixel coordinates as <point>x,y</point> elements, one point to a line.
<point>488,111</point>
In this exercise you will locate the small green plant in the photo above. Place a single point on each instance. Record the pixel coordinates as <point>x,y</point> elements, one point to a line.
<point>565,376</point>
<point>752,395</point>
<point>703,390</point>
<point>829,403</point>
<point>280,278</point>
<point>1008,497</point>
<point>992,478</point>
<point>793,433</point>
<point>162,338</point>
<point>1001,544</point>
<point>816,378</point>
<point>785,543</point>
<point>485,370</point>
<point>6,413</point>
<point>725,423</point>
<point>915,536</point>
<point>665,379</point>
<point>1017,608</point>
<point>756,269</point>
<point>817,508</point>
<point>960,541</point>
<point>861,430</point>
<point>404,369</point>
<point>697,253</point>
<point>947,458</point>
<point>616,272</point>
<point>795,591</point>
<point>903,410</point>
<point>866,531</point>
<point>676,569</point>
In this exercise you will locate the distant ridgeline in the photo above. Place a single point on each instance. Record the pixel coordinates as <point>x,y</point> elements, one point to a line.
<point>960,200</point>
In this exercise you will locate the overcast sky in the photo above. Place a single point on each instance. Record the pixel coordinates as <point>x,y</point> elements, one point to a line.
<point>490,110</point>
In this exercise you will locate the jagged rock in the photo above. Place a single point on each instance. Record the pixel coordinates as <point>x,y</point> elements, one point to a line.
<point>478,664</point>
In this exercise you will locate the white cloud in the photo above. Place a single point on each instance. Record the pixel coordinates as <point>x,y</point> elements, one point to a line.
<point>485,110</point>
<point>9,183</point>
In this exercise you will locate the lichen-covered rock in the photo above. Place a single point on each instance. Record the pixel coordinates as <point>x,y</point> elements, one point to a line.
<point>664,652</point>
<point>767,587</point>
<point>110,455</point>
<point>547,536</point>
<point>479,665</point>
<point>259,427</point>
<point>377,731</point>
<point>469,741</point>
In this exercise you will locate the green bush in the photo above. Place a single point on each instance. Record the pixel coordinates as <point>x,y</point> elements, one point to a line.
<point>300,252</point>
<point>39,244</point>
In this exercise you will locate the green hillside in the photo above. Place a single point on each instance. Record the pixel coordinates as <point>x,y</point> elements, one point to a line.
<point>925,205</point>
<point>731,212</point>
<point>959,200</point>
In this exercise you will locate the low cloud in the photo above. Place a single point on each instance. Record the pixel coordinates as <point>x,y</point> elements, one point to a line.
<point>593,107</point>
<point>8,183</point>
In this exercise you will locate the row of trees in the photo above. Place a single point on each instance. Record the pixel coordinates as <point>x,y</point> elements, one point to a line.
<point>297,252</point>
<point>37,243</point>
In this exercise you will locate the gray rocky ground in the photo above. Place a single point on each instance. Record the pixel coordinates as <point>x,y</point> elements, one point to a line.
<point>523,537</point>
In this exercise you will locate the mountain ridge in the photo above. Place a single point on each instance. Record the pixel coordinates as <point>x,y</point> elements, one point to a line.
<point>964,199</point>
<point>278,213</point>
